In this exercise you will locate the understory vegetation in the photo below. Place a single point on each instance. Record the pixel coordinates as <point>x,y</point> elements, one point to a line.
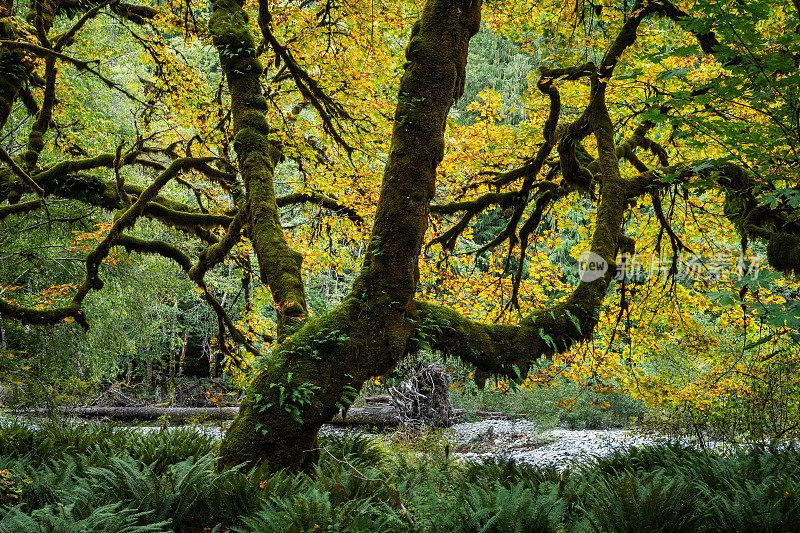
<point>97,478</point>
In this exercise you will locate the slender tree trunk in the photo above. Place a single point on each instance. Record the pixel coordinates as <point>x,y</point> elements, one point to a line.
<point>182,360</point>
<point>279,265</point>
<point>149,367</point>
<point>171,363</point>
<point>212,360</point>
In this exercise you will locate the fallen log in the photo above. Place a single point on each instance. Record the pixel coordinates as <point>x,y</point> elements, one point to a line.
<point>488,414</point>
<point>380,415</point>
<point>379,398</point>
<point>371,415</point>
<point>173,414</point>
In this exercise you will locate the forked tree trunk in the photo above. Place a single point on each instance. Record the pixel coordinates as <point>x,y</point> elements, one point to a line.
<point>319,366</point>
<point>323,365</point>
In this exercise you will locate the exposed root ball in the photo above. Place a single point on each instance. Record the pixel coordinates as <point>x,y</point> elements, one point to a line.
<point>424,398</point>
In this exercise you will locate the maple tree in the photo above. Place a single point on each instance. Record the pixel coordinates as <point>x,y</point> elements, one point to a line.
<point>645,125</point>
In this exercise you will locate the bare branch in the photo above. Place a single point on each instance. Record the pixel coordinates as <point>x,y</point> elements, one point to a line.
<point>123,196</point>
<point>7,159</point>
<point>327,108</point>
<point>66,38</point>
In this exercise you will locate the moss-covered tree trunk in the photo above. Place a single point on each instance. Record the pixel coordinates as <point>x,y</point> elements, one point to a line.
<point>320,368</point>
<point>279,265</point>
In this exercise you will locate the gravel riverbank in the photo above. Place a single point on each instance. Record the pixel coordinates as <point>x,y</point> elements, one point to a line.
<point>525,443</point>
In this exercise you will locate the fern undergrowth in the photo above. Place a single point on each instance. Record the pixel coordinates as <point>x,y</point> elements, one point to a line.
<point>94,478</point>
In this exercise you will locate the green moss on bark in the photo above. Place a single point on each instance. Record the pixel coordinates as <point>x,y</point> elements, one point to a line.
<point>329,356</point>
<point>509,350</point>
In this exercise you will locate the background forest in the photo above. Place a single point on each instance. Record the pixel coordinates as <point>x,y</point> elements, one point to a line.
<point>713,345</point>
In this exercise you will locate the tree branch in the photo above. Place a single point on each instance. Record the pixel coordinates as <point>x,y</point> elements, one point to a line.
<point>7,159</point>
<point>322,200</point>
<point>164,249</point>
<point>24,207</point>
<point>126,220</point>
<point>327,108</point>
<point>77,63</point>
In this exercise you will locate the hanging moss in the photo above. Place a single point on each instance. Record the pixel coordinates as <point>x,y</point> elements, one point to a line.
<point>509,350</point>
<point>783,253</point>
<point>735,209</point>
<point>13,72</point>
<point>84,188</point>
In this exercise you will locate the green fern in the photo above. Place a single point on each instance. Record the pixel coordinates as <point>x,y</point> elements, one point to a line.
<point>188,492</point>
<point>160,481</point>
<point>509,473</point>
<point>164,448</point>
<point>360,450</point>
<point>52,441</point>
<point>314,511</point>
<point>638,502</point>
<point>645,459</point>
<point>112,518</point>
<point>490,508</point>
<point>773,505</point>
